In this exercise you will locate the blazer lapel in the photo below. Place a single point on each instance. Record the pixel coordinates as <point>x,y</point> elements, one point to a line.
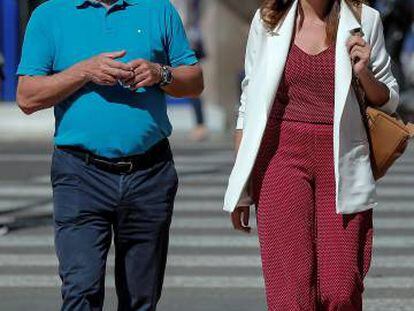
<point>278,47</point>
<point>343,66</point>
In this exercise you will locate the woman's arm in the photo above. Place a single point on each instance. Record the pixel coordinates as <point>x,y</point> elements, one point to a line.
<point>376,92</point>
<point>241,215</point>
<point>238,135</point>
<point>249,64</point>
<point>372,65</point>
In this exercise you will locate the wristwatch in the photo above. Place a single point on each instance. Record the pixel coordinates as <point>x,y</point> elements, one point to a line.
<point>166,76</point>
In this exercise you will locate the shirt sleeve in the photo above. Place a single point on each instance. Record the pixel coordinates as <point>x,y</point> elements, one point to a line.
<point>179,50</point>
<point>38,49</point>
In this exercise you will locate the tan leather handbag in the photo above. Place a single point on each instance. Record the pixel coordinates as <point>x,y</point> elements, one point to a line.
<point>388,136</point>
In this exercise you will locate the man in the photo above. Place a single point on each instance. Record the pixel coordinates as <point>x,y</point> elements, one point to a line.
<point>105,67</point>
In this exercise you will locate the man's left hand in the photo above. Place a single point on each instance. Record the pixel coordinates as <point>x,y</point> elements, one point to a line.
<point>146,74</point>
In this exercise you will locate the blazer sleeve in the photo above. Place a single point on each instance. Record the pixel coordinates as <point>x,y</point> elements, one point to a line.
<point>252,44</point>
<point>381,65</point>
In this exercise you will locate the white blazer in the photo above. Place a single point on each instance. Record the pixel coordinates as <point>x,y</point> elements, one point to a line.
<point>265,61</point>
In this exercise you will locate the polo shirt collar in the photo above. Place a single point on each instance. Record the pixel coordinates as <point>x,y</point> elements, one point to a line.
<point>79,3</point>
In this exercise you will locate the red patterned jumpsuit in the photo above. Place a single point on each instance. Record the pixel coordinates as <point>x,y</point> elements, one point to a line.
<point>313,258</point>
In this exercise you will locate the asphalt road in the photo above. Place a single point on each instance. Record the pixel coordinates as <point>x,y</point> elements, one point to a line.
<point>210,267</point>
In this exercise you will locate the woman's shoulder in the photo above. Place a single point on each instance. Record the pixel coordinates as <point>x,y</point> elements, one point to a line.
<point>257,19</point>
<point>370,14</point>
<point>371,21</point>
<point>257,26</point>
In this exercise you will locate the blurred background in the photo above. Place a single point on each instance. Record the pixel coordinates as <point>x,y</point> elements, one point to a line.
<point>210,267</point>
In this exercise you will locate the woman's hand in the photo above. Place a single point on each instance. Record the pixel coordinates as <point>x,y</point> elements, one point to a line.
<point>360,52</point>
<point>376,92</point>
<point>240,219</point>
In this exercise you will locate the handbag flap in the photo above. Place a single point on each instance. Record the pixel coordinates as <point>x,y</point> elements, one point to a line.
<point>374,115</point>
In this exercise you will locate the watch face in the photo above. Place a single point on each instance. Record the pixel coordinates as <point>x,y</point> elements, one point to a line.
<point>169,76</point>
<point>166,76</point>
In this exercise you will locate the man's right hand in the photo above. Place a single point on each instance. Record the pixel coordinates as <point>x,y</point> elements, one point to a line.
<point>105,70</point>
<point>40,92</point>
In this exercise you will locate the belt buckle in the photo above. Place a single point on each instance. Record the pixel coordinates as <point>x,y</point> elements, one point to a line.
<point>129,163</point>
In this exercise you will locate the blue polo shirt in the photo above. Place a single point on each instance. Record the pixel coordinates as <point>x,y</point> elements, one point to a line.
<point>108,121</point>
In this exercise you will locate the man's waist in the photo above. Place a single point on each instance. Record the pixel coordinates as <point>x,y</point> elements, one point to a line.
<point>160,152</point>
<point>112,141</point>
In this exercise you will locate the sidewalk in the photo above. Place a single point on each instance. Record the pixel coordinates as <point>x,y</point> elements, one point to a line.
<point>14,125</point>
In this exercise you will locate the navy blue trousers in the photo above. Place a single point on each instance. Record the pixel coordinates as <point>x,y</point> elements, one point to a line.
<point>91,205</point>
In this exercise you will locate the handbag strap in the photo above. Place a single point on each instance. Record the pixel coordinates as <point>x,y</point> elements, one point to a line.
<point>357,87</point>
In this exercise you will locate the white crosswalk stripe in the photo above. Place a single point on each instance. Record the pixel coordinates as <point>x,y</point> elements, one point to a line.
<point>227,261</point>
<point>34,280</point>
<point>202,241</point>
<point>205,251</point>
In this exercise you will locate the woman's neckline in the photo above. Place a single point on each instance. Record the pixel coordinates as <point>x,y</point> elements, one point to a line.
<point>310,54</point>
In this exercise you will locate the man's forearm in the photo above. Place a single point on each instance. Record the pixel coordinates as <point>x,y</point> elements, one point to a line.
<point>40,92</point>
<point>188,82</point>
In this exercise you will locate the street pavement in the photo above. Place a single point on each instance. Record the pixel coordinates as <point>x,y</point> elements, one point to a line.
<point>210,267</point>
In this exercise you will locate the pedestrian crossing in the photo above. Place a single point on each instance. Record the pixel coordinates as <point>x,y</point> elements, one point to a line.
<point>205,253</point>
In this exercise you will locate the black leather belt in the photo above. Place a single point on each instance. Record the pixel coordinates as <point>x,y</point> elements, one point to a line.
<point>160,152</point>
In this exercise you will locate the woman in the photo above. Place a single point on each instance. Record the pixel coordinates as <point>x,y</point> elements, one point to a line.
<point>304,154</point>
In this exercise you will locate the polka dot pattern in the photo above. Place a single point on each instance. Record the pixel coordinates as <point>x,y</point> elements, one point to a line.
<point>306,92</point>
<point>313,258</point>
